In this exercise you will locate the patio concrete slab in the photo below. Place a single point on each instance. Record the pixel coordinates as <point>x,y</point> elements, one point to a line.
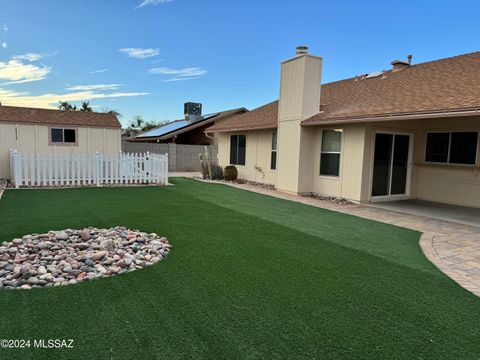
<point>450,235</point>
<point>446,212</point>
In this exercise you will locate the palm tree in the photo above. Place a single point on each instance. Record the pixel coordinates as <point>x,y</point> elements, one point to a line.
<point>86,106</point>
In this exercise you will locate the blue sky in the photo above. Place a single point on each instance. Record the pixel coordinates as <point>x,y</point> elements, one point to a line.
<point>148,57</point>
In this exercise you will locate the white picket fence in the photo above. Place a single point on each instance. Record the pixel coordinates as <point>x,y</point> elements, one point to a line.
<point>87,170</point>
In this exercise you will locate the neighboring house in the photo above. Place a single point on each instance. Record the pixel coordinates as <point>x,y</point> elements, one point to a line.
<point>191,129</point>
<point>409,132</point>
<point>44,132</point>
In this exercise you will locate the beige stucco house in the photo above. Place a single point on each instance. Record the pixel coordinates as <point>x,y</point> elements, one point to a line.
<point>409,132</point>
<point>45,132</point>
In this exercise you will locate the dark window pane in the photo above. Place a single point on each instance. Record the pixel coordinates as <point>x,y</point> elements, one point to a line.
<point>274,141</point>
<point>330,164</point>
<point>233,149</point>
<point>463,147</point>
<point>381,164</point>
<point>57,135</point>
<point>437,147</point>
<point>273,161</point>
<point>242,144</point>
<point>400,164</point>
<point>70,135</point>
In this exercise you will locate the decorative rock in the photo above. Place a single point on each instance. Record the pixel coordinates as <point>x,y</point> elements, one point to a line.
<point>89,262</point>
<point>84,235</point>
<point>62,235</point>
<point>17,241</point>
<point>98,255</point>
<point>32,281</point>
<point>67,257</point>
<point>82,246</point>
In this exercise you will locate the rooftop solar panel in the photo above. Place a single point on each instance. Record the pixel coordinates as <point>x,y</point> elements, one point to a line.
<point>174,126</point>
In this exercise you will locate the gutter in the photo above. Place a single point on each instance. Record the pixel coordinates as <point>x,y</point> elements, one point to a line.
<point>392,117</point>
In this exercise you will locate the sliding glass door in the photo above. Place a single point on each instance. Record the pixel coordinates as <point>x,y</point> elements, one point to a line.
<point>391,165</point>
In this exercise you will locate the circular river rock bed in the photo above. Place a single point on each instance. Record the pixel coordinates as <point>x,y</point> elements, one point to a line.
<point>70,256</point>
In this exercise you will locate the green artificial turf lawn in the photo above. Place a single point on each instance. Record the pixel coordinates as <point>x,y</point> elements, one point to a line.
<point>249,277</point>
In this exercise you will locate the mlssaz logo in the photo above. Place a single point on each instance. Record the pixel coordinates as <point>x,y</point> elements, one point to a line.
<point>53,343</point>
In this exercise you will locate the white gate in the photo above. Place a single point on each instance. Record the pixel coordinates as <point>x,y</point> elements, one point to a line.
<point>83,170</point>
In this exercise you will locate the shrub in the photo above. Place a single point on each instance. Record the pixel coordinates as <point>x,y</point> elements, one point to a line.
<point>217,172</point>
<point>230,172</point>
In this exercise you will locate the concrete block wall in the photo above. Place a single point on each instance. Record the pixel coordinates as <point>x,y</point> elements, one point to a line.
<point>181,158</point>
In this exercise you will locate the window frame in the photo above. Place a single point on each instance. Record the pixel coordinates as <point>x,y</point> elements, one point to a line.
<point>237,150</point>
<point>272,151</point>
<point>62,143</point>
<point>340,153</point>
<point>450,132</point>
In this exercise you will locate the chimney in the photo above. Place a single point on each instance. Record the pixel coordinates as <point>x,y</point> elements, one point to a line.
<point>399,64</point>
<point>192,111</point>
<point>299,99</point>
<point>302,50</point>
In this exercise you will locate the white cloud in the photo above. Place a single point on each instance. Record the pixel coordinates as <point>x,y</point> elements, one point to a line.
<point>151,3</point>
<point>4,44</point>
<point>139,53</point>
<point>186,72</point>
<point>179,74</point>
<point>94,87</point>
<point>180,79</point>
<point>5,28</point>
<point>16,72</point>
<point>99,71</point>
<point>50,101</point>
<point>29,57</point>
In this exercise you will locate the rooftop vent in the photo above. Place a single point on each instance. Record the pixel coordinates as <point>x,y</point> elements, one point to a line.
<point>399,64</point>
<point>301,50</point>
<point>192,110</point>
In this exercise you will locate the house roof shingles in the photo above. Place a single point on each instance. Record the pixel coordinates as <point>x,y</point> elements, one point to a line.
<point>14,114</point>
<point>442,85</point>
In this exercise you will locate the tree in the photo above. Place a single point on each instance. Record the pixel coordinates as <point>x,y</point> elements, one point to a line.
<point>86,106</point>
<point>137,123</point>
<point>149,125</point>
<point>65,105</point>
<point>112,111</point>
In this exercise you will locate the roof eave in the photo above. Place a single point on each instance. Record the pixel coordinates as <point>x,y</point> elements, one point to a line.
<point>394,117</point>
<point>244,128</point>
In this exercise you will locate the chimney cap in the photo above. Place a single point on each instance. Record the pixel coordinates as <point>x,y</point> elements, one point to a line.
<point>301,50</point>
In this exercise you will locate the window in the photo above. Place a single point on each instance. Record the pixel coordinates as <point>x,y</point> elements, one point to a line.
<point>452,147</point>
<point>273,159</point>
<point>237,149</point>
<point>330,152</point>
<point>63,136</point>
